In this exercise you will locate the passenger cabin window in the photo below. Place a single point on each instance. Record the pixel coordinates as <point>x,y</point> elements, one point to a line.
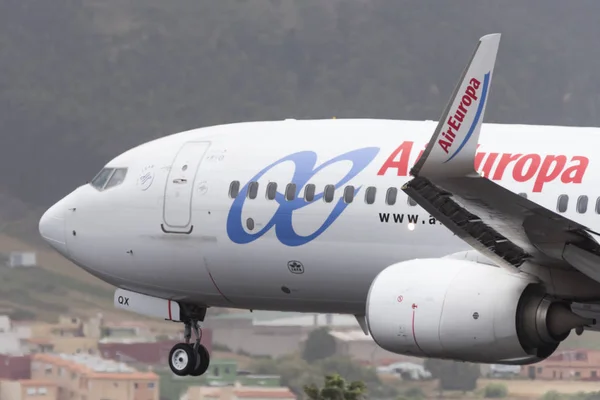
<point>100,180</point>
<point>252,190</point>
<point>391,195</point>
<point>349,194</point>
<point>234,189</point>
<point>411,202</point>
<point>370,195</point>
<point>309,192</point>
<point>116,178</point>
<point>598,205</point>
<point>582,203</point>
<point>290,191</point>
<point>271,190</point>
<point>328,193</point>
<point>563,203</point>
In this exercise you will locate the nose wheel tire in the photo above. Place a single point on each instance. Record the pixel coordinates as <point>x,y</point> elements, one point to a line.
<point>187,359</point>
<point>182,359</point>
<point>202,361</point>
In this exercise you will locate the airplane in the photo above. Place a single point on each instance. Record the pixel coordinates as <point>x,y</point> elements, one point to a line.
<point>478,242</point>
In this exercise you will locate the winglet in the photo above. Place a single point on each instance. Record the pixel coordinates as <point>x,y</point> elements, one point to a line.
<point>451,150</point>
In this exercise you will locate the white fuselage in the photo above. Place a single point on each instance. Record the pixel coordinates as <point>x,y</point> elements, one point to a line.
<point>172,230</point>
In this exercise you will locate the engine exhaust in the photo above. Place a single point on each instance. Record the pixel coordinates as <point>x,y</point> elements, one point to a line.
<point>542,322</point>
<point>560,320</point>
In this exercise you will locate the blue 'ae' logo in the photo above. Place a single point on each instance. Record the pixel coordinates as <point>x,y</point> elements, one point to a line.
<point>304,162</point>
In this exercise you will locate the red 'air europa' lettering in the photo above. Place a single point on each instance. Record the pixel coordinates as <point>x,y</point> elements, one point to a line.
<point>455,120</point>
<point>536,168</point>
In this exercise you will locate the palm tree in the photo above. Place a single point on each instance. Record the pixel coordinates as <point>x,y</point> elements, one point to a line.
<point>336,388</point>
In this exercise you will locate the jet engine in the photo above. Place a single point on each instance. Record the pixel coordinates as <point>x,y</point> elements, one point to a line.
<point>462,310</point>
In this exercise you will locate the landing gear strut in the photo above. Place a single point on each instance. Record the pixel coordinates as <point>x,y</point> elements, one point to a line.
<point>186,359</point>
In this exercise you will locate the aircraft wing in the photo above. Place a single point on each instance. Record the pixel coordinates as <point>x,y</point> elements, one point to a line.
<point>506,227</point>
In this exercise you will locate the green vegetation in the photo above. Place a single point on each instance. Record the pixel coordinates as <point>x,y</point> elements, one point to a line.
<point>336,388</point>
<point>453,375</point>
<point>496,391</point>
<point>553,395</point>
<point>172,387</point>
<point>319,345</point>
<point>296,373</point>
<point>414,393</point>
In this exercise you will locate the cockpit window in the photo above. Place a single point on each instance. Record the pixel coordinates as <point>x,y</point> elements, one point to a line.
<point>109,177</point>
<point>100,180</point>
<point>117,178</point>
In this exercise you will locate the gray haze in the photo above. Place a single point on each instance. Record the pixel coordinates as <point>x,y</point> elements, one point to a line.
<point>82,80</point>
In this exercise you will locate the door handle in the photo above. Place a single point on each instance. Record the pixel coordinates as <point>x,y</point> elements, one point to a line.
<point>180,180</point>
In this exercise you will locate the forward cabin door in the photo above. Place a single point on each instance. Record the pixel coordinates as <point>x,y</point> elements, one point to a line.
<point>179,189</point>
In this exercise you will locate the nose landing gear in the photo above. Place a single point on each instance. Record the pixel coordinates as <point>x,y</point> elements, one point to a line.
<point>186,359</point>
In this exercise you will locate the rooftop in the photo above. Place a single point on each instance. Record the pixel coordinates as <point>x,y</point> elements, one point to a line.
<point>351,336</point>
<point>43,341</point>
<point>248,392</point>
<point>36,382</point>
<point>264,394</point>
<point>94,367</point>
<point>339,320</point>
<point>128,340</point>
<point>5,321</point>
<point>124,324</point>
<point>257,315</point>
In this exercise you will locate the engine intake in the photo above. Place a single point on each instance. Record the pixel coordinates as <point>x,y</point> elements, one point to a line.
<point>462,310</point>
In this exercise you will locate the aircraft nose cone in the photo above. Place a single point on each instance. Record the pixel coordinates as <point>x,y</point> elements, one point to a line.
<point>52,227</point>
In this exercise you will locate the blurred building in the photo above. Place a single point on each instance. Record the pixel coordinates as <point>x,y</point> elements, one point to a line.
<point>11,336</point>
<point>407,371</point>
<point>20,259</point>
<point>101,328</point>
<point>237,392</point>
<point>278,333</point>
<point>85,377</point>
<point>144,351</point>
<point>362,348</point>
<point>15,367</point>
<point>65,327</point>
<point>62,345</point>
<point>28,389</point>
<point>567,365</point>
<point>125,329</point>
<point>269,333</point>
<point>5,325</point>
<point>226,373</point>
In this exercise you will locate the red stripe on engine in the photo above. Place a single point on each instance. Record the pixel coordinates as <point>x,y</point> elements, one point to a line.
<point>413,332</point>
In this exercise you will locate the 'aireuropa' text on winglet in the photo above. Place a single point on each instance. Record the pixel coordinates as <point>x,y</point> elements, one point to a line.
<point>451,150</point>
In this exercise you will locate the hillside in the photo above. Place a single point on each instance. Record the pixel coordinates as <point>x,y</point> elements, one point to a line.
<point>55,264</point>
<point>40,294</point>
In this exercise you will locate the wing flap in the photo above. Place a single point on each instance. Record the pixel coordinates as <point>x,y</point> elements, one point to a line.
<point>466,224</point>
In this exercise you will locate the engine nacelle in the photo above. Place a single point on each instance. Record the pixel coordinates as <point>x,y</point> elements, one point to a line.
<point>462,310</point>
